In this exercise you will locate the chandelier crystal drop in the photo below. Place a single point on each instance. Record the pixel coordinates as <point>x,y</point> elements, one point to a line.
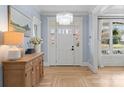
<point>64,18</point>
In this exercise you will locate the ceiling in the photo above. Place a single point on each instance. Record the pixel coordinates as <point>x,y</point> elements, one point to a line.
<point>53,9</point>
<point>114,9</point>
<point>79,9</point>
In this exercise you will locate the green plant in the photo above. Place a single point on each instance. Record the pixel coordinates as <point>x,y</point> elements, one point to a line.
<point>35,41</point>
<point>115,32</point>
<point>116,37</point>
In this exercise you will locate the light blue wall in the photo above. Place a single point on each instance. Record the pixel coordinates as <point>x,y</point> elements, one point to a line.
<point>3,21</point>
<point>28,10</point>
<point>85,37</point>
<point>3,18</point>
<point>44,30</point>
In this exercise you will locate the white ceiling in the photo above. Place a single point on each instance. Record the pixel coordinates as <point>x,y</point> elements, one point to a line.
<point>78,9</point>
<point>114,9</point>
<point>52,9</point>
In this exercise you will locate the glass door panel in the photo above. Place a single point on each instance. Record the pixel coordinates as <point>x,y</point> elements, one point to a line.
<point>105,38</point>
<point>118,37</point>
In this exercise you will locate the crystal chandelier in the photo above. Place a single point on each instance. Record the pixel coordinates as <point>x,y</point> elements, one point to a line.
<point>64,18</point>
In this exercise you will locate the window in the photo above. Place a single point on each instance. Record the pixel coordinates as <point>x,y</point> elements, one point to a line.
<point>112,37</point>
<point>118,37</point>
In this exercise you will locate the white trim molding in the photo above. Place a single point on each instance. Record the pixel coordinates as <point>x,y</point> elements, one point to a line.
<point>74,13</point>
<point>92,68</point>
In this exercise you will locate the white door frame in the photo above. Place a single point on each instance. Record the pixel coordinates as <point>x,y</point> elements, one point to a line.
<point>93,46</point>
<point>100,63</point>
<point>48,52</point>
<point>48,42</point>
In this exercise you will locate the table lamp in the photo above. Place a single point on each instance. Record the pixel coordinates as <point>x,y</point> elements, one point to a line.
<point>13,39</point>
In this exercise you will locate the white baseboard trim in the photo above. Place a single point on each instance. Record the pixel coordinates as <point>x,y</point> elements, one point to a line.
<point>83,64</point>
<point>93,69</point>
<point>113,63</point>
<point>46,64</point>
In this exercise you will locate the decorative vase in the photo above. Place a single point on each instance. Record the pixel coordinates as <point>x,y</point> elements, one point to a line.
<point>37,48</point>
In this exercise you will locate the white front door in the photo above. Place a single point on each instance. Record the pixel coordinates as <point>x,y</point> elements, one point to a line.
<point>64,43</point>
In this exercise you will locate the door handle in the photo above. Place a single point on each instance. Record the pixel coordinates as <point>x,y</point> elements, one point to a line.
<point>72,48</point>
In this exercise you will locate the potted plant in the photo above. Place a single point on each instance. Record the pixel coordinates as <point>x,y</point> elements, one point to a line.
<point>36,41</point>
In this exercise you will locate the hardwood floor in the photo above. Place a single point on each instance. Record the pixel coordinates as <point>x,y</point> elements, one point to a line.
<point>82,77</point>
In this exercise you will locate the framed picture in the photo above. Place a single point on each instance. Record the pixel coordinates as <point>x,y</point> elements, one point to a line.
<point>19,22</point>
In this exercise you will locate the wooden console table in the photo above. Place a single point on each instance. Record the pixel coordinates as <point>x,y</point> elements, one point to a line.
<point>25,72</point>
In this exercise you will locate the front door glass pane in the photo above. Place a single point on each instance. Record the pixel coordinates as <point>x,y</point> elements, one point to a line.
<point>105,38</point>
<point>118,37</point>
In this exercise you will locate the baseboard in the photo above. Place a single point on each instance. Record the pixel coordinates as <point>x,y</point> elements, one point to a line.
<point>83,64</point>
<point>113,63</point>
<point>46,64</point>
<point>93,69</point>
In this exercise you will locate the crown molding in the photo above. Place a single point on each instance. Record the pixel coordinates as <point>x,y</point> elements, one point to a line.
<point>54,13</point>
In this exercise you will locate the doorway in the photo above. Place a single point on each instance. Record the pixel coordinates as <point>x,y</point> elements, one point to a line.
<point>111,42</point>
<point>65,42</point>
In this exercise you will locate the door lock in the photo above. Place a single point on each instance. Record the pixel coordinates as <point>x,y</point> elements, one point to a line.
<point>72,48</point>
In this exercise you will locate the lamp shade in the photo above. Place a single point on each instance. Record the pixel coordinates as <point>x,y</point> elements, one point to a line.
<point>1,38</point>
<point>13,38</point>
